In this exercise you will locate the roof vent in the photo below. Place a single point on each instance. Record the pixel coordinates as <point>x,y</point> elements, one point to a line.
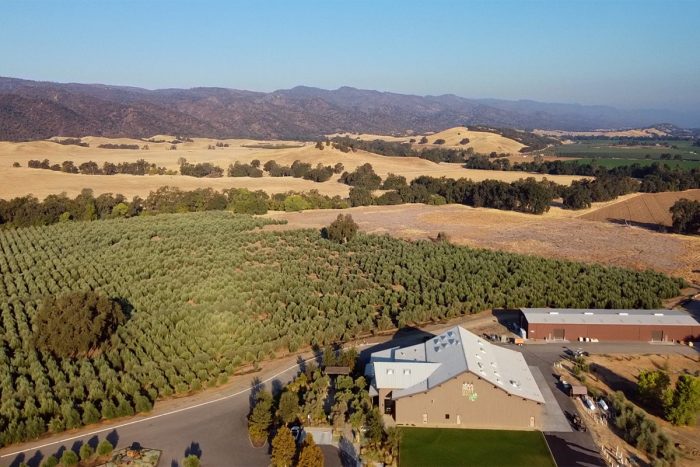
<point>553,312</point>
<point>514,383</point>
<point>498,380</point>
<point>478,356</point>
<point>623,313</point>
<point>495,373</point>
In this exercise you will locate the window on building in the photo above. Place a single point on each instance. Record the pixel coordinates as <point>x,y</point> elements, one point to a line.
<point>447,416</point>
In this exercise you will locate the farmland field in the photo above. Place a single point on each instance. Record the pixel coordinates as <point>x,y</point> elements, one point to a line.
<point>454,447</point>
<point>610,163</point>
<point>208,293</point>
<point>618,149</point>
<point>20,181</point>
<point>556,234</point>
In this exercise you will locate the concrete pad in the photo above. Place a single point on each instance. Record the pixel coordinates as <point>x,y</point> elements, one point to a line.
<point>553,418</point>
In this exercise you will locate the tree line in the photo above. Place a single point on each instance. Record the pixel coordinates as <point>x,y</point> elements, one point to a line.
<point>316,398</point>
<point>304,170</point>
<point>525,195</point>
<point>139,167</point>
<point>395,149</point>
<point>121,146</point>
<point>26,211</point>
<point>608,183</point>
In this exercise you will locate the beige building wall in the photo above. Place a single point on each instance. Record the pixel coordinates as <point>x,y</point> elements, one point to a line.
<point>467,402</point>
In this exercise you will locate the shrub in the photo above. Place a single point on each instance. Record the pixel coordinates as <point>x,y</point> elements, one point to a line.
<point>191,461</point>
<point>439,141</point>
<point>50,461</point>
<point>86,452</point>
<point>105,448</point>
<point>69,458</point>
<point>341,230</point>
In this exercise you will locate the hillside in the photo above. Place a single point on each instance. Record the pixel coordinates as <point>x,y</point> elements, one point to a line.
<point>37,110</point>
<point>646,209</point>
<point>19,181</point>
<point>483,142</point>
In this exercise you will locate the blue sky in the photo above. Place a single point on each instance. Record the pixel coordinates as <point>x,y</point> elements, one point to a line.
<point>631,54</point>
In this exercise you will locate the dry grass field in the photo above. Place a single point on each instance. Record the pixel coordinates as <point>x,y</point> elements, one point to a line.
<point>483,142</point>
<point>646,209</point>
<point>21,181</point>
<point>555,234</point>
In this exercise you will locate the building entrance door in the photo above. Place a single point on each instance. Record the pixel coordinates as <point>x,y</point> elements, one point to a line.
<point>657,336</point>
<point>558,333</point>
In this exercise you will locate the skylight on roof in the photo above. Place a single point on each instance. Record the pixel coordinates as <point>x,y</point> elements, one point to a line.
<point>406,371</point>
<point>389,371</point>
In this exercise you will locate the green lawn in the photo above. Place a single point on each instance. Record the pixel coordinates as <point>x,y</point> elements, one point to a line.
<point>445,447</point>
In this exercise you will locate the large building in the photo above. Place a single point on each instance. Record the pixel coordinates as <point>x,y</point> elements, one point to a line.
<point>609,325</point>
<point>456,379</point>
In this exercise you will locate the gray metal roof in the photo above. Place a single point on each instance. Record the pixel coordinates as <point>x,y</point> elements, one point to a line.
<point>421,367</point>
<point>592,316</point>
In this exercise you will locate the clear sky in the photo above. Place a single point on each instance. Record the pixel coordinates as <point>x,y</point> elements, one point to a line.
<point>630,54</point>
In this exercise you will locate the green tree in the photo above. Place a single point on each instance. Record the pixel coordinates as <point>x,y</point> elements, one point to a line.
<point>76,323</point>
<point>288,407</point>
<point>684,406</point>
<point>260,417</point>
<point>86,452</point>
<point>50,461</point>
<point>686,216</point>
<point>191,461</point>
<point>341,230</point>
<point>120,210</point>
<point>284,448</point>
<point>296,203</point>
<point>653,388</point>
<point>311,455</point>
<point>360,196</point>
<point>69,458</point>
<point>105,448</point>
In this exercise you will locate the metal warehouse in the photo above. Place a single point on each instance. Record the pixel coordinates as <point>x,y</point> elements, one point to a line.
<point>608,325</point>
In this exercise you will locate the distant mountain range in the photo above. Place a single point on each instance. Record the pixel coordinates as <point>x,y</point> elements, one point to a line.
<point>38,110</point>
